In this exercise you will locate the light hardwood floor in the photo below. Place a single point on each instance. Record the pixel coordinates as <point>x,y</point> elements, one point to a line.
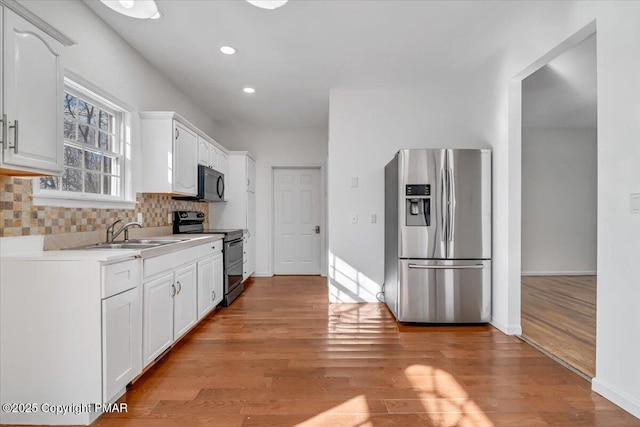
<point>559,315</point>
<point>282,356</point>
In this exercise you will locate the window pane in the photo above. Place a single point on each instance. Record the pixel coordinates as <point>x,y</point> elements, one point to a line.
<point>49,182</point>
<point>105,141</point>
<point>69,105</point>
<point>91,182</point>
<point>92,161</point>
<point>87,134</point>
<point>72,156</point>
<point>111,185</point>
<point>105,121</point>
<point>108,164</point>
<point>87,112</point>
<point>69,129</point>
<point>71,180</point>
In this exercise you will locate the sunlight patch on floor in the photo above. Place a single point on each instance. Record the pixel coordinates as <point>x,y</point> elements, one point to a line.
<point>442,398</point>
<point>353,412</point>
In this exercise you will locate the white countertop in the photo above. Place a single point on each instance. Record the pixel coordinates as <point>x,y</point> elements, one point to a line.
<point>114,255</point>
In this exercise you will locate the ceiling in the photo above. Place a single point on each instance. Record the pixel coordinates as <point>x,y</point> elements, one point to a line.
<point>563,93</point>
<point>296,54</point>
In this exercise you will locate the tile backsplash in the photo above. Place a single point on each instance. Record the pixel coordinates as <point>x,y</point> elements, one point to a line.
<point>21,218</point>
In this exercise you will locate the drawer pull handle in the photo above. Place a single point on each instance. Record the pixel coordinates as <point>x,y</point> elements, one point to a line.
<point>179,287</point>
<point>173,290</point>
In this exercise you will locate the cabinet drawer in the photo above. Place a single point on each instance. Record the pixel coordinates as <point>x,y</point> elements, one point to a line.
<point>209,248</point>
<point>119,277</point>
<point>158,264</point>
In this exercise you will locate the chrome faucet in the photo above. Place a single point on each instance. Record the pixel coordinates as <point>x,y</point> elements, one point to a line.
<point>112,234</point>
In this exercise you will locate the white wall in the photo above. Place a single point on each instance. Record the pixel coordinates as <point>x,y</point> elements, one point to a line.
<point>273,148</point>
<point>105,60</point>
<point>559,200</point>
<point>366,129</point>
<point>497,105</point>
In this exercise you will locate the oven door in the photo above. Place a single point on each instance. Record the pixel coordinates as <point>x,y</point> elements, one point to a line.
<point>210,185</point>
<point>234,277</point>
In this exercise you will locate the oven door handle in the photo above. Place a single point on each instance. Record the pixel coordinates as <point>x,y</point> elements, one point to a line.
<point>230,244</point>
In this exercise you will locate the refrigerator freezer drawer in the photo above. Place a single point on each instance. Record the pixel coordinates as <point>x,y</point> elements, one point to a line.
<point>443,291</point>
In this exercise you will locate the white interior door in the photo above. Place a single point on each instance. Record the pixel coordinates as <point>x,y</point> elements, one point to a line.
<point>297,213</point>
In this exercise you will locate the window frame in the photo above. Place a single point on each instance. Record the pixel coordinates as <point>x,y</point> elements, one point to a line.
<point>82,89</point>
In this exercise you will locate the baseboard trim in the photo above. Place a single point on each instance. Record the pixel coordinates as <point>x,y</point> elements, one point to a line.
<point>622,399</point>
<point>559,273</point>
<point>508,330</point>
<point>262,275</point>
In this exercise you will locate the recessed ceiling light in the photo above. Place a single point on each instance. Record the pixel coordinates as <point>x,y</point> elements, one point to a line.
<point>227,50</point>
<point>249,90</point>
<point>268,4</point>
<point>140,9</point>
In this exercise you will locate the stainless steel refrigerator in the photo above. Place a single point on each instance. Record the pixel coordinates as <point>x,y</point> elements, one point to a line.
<point>438,236</point>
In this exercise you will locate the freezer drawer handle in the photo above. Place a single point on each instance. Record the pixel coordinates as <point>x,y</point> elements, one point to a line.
<point>445,267</point>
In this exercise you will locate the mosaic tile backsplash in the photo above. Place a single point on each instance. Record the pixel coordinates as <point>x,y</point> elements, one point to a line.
<point>21,218</point>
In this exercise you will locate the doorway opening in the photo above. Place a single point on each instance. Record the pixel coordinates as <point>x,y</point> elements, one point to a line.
<point>298,220</point>
<point>559,207</point>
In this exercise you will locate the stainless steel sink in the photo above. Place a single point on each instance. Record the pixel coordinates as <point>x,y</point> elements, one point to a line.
<point>131,244</point>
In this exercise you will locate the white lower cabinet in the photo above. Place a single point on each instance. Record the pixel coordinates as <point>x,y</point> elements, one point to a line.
<point>70,333</point>
<point>157,319</point>
<point>185,311</point>
<point>121,335</point>
<point>210,283</point>
<point>179,289</point>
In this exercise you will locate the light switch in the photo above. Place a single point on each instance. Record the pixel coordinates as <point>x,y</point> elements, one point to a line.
<point>374,218</point>
<point>635,203</point>
<point>354,182</point>
<point>354,218</point>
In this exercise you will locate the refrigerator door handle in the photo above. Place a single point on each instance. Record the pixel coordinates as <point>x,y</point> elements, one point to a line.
<point>444,210</point>
<point>451,203</point>
<point>446,267</point>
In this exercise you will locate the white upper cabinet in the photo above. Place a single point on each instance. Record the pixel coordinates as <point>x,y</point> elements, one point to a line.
<point>223,164</point>
<point>203,151</point>
<point>31,98</point>
<point>251,175</point>
<point>172,149</point>
<point>185,150</point>
<point>170,153</point>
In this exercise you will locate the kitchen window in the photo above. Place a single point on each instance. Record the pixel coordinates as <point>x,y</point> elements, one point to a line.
<point>95,147</point>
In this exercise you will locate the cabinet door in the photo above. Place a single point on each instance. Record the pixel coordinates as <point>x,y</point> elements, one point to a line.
<point>213,156</point>
<point>33,82</point>
<point>203,152</point>
<point>223,163</point>
<point>185,160</point>
<point>185,308</point>
<point>121,342</point>
<point>251,175</point>
<point>218,279</point>
<point>205,286</point>
<point>157,317</point>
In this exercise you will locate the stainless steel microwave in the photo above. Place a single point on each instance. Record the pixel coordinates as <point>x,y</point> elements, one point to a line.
<point>210,186</point>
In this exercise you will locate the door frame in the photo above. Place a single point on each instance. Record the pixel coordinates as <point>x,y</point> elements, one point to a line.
<point>323,214</point>
<point>514,215</point>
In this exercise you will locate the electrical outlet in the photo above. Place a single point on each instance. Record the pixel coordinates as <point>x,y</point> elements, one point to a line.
<point>169,218</point>
<point>354,218</point>
<point>139,219</point>
<point>354,182</point>
<point>374,218</point>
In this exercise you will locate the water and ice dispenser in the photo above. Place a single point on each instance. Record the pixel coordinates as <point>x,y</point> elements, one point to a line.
<point>418,205</point>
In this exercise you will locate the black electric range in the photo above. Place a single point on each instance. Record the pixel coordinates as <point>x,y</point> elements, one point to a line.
<point>192,222</point>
